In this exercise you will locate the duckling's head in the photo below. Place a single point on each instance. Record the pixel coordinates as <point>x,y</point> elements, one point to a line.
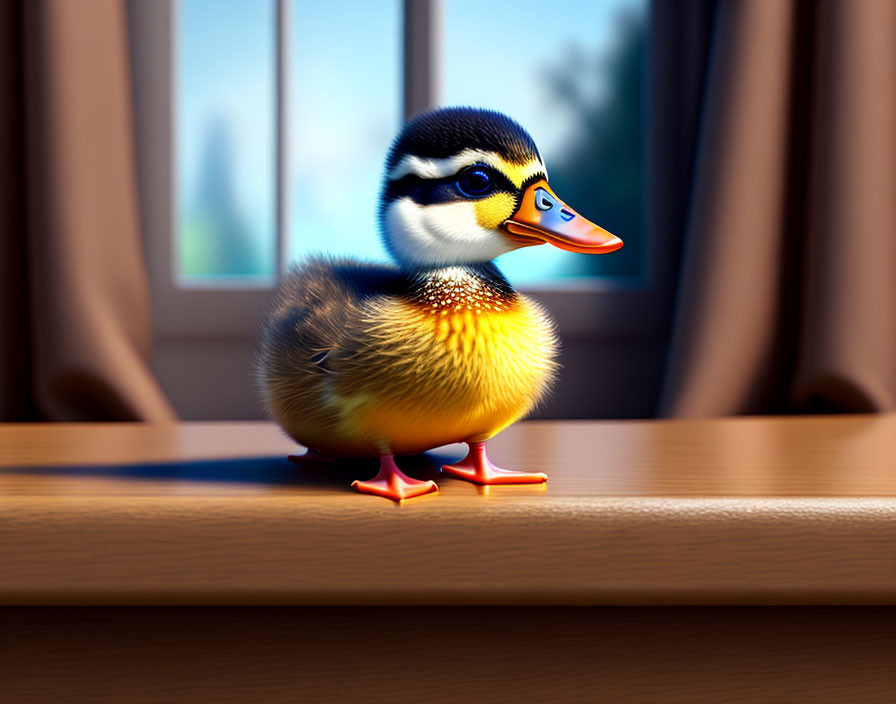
<point>463,186</point>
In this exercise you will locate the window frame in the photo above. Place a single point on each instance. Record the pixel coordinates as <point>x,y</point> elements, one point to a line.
<point>614,306</point>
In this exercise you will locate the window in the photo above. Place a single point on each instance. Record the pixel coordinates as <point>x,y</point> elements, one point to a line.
<point>572,76</point>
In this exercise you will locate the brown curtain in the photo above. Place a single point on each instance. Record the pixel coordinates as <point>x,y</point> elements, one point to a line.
<point>74,300</point>
<point>787,293</point>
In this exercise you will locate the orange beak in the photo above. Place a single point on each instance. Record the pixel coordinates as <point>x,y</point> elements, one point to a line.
<point>543,217</point>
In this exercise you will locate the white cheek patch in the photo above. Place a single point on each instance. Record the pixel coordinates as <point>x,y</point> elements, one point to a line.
<point>442,234</point>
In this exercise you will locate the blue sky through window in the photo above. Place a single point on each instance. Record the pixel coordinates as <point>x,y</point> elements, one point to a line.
<point>345,108</point>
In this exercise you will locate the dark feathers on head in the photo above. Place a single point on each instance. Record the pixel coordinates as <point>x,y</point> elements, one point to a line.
<point>445,132</point>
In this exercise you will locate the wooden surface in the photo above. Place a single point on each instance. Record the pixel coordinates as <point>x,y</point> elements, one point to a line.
<point>792,510</point>
<point>650,655</point>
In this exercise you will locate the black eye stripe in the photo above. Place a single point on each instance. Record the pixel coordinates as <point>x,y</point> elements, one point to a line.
<point>429,191</point>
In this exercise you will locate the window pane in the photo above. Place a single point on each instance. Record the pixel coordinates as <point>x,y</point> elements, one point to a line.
<point>570,71</point>
<point>345,103</point>
<point>225,142</point>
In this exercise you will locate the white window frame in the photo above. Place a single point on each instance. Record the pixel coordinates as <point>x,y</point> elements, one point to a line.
<point>607,306</point>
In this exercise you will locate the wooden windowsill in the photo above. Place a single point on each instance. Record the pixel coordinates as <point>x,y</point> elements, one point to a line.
<point>750,510</point>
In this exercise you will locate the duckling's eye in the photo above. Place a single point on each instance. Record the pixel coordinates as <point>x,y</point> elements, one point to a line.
<point>474,183</point>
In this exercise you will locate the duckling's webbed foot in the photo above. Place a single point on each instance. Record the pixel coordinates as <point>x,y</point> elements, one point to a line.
<point>477,467</point>
<point>394,484</point>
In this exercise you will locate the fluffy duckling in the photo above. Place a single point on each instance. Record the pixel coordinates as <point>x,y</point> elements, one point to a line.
<point>357,359</point>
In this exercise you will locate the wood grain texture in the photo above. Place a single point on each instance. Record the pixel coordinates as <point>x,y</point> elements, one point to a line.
<point>788,510</point>
<point>673,655</point>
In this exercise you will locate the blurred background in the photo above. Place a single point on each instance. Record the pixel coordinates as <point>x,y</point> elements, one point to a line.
<point>164,161</point>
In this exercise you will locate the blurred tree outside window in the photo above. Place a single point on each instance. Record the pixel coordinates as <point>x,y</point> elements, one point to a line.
<point>225,136</point>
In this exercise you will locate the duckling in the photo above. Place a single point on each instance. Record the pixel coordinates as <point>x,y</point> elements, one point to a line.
<point>358,359</point>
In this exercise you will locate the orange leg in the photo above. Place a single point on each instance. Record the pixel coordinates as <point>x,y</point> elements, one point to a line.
<point>477,467</point>
<point>394,484</point>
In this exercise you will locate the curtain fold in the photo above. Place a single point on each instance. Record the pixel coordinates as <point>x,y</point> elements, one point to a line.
<point>847,352</point>
<point>787,290</point>
<point>75,309</point>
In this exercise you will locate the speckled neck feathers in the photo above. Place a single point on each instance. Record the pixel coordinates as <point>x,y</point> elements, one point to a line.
<point>462,288</point>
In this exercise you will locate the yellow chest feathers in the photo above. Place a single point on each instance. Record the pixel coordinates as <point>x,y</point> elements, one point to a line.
<point>466,362</point>
<point>508,349</point>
